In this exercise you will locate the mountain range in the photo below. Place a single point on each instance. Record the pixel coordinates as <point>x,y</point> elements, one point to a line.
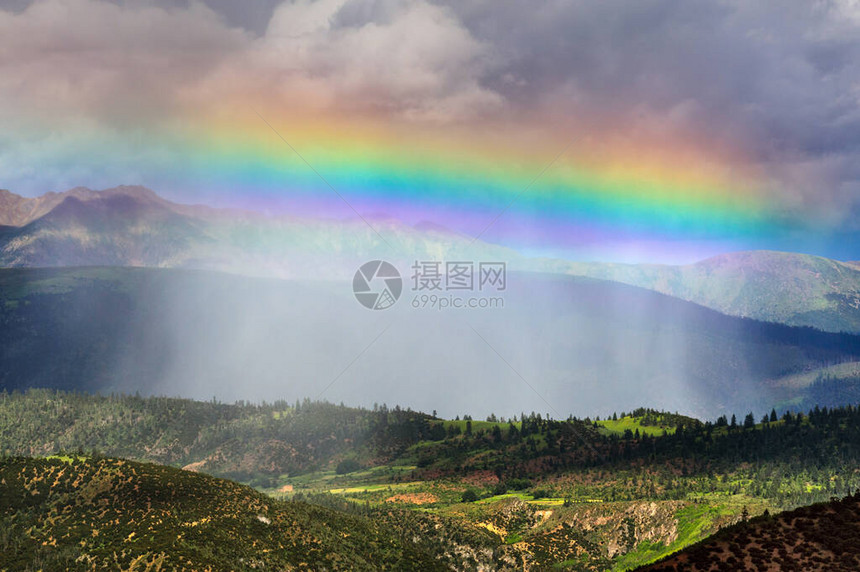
<point>133,226</point>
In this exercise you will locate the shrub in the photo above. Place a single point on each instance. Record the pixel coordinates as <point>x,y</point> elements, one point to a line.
<point>347,466</point>
<point>518,484</point>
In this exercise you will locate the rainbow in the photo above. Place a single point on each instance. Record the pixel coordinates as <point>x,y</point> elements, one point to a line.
<point>567,193</point>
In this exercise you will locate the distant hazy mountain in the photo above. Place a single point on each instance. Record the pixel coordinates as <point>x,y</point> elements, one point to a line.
<point>132,226</point>
<point>560,345</point>
<point>794,289</point>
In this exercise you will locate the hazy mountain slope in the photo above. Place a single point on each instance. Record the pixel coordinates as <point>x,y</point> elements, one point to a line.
<point>74,514</point>
<point>125,226</point>
<point>795,289</point>
<point>583,345</point>
<point>118,230</point>
<point>17,211</point>
<point>823,537</point>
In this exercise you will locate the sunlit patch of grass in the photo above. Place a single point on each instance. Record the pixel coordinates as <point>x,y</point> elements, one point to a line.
<point>547,501</point>
<point>610,426</point>
<point>486,426</point>
<point>514,495</point>
<point>68,458</point>
<point>376,487</point>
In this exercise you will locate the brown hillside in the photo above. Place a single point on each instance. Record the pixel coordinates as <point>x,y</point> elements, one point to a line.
<point>822,537</point>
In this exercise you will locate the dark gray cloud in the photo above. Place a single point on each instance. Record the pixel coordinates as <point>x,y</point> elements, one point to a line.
<point>786,76</point>
<point>778,82</point>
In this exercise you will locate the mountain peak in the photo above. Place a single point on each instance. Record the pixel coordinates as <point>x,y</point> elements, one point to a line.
<point>18,211</point>
<point>135,191</point>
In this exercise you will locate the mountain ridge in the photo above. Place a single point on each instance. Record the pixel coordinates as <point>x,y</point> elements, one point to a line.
<point>134,226</point>
<point>18,211</point>
<point>796,289</point>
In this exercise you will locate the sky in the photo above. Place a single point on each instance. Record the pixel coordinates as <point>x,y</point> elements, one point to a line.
<point>648,131</point>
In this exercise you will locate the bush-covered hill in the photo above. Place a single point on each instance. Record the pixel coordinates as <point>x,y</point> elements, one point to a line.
<point>82,514</point>
<point>823,537</point>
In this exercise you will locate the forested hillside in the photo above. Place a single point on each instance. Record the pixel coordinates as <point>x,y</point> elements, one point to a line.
<point>259,442</point>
